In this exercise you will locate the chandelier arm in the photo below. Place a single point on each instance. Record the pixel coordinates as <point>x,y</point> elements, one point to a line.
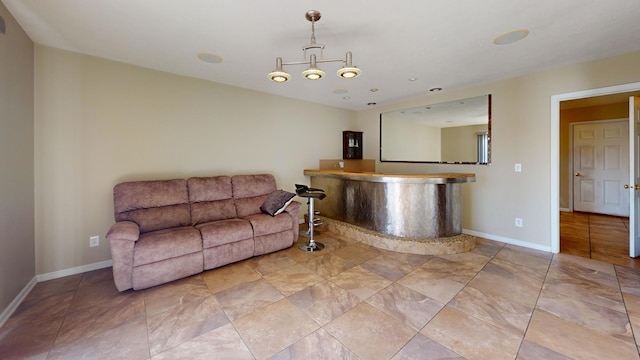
<point>309,62</point>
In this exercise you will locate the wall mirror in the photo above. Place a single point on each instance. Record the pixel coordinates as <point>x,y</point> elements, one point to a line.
<point>454,132</point>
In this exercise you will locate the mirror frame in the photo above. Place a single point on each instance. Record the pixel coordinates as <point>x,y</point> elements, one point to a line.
<point>446,162</point>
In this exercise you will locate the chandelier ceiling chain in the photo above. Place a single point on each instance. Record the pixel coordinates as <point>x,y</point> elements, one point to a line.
<point>348,71</point>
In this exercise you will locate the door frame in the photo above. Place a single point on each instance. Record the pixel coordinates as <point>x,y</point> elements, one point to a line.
<point>571,167</point>
<point>555,148</point>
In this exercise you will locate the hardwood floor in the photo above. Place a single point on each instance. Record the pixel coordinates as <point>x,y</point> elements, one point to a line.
<point>596,236</point>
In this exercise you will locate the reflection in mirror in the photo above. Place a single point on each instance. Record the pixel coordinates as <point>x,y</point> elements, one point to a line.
<point>456,132</point>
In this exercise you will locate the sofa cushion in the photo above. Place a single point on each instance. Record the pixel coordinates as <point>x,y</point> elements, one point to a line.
<point>211,199</point>
<point>250,192</point>
<point>264,224</point>
<point>153,205</point>
<point>158,218</point>
<point>277,202</point>
<point>165,244</point>
<point>224,232</point>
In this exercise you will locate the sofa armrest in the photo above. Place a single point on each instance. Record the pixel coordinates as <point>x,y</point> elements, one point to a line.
<point>293,209</point>
<point>122,240</point>
<point>124,230</point>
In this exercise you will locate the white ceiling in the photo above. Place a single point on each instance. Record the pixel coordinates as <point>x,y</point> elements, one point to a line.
<point>447,44</point>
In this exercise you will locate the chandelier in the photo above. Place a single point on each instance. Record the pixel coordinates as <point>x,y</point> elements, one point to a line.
<point>348,71</point>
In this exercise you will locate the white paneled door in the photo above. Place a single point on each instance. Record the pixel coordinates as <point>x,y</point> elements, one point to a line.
<point>601,167</point>
<point>634,178</point>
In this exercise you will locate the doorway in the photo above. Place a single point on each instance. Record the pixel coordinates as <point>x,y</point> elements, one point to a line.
<point>598,236</point>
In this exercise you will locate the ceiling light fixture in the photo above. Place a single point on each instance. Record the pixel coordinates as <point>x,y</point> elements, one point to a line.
<point>348,71</point>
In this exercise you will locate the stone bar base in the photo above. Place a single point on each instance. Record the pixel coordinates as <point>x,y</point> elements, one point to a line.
<point>438,246</point>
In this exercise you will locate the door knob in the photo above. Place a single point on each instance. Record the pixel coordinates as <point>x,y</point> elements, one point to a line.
<point>626,186</point>
<point>636,186</point>
<point>578,174</point>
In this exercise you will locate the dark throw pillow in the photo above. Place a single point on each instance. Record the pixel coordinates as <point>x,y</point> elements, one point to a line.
<point>277,202</point>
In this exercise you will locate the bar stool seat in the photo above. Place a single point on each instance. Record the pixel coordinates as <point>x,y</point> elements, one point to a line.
<point>311,194</point>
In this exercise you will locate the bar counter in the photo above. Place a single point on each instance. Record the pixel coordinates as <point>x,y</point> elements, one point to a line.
<point>425,208</point>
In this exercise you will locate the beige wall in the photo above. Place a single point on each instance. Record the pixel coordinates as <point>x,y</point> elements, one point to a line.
<point>410,141</point>
<point>100,122</point>
<point>460,143</point>
<point>591,113</point>
<point>520,134</point>
<point>17,264</point>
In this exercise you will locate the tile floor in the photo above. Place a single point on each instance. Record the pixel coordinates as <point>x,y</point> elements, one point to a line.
<point>350,301</point>
<point>596,236</point>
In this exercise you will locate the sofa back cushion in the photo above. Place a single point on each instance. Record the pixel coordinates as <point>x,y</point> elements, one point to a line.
<point>153,205</point>
<point>211,199</point>
<point>250,192</point>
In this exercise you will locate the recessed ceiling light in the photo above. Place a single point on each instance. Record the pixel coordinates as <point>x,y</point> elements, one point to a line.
<point>436,89</point>
<point>210,57</point>
<point>340,91</point>
<point>413,78</point>
<point>346,98</point>
<point>373,90</point>
<point>511,37</point>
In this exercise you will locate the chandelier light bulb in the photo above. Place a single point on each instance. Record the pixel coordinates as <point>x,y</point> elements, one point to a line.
<point>279,75</point>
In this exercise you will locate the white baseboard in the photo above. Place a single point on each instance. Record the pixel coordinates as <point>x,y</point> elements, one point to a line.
<point>6,314</point>
<point>566,209</point>
<point>75,270</point>
<point>508,240</point>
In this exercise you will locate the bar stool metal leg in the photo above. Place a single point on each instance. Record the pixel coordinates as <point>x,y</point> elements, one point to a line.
<point>312,246</point>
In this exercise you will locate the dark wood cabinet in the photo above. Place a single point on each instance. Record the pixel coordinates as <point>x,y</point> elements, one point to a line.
<point>352,145</point>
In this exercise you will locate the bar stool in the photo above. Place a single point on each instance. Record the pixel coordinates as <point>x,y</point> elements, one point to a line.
<point>311,194</point>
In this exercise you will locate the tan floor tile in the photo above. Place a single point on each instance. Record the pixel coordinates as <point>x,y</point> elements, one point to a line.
<point>587,315</point>
<point>434,285</point>
<point>586,280</point>
<point>527,262</point>
<point>357,253</point>
<point>273,328</point>
<point>128,341</point>
<point>319,345</point>
<point>629,280</point>
<point>370,333</point>
<point>405,305</point>
<point>229,276</point>
<point>55,286</point>
<point>468,259</point>
<point>632,303</point>
<point>30,340</point>
<point>50,306</point>
<point>88,322</point>
<point>93,277</point>
<point>324,301</point>
<point>162,298</point>
<point>270,263</point>
<point>575,341</point>
<point>328,265</point>
<point>183,323</point>
<point>503,307</point>
<point>533,351</point>
<point>471,337</point>
<point>293,279</point>
<point>224,342</point>
<point>243,299</point>
<point>360,282</point>
<point>421,345</point>
<point>388,267</point>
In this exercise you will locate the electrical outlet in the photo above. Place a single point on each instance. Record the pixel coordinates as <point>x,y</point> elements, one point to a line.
<point>518,222</point>
<point>518,168</point>
<point>94,241</point>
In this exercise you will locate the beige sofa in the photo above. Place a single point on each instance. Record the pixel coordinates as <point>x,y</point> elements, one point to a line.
<point>169,229</point>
